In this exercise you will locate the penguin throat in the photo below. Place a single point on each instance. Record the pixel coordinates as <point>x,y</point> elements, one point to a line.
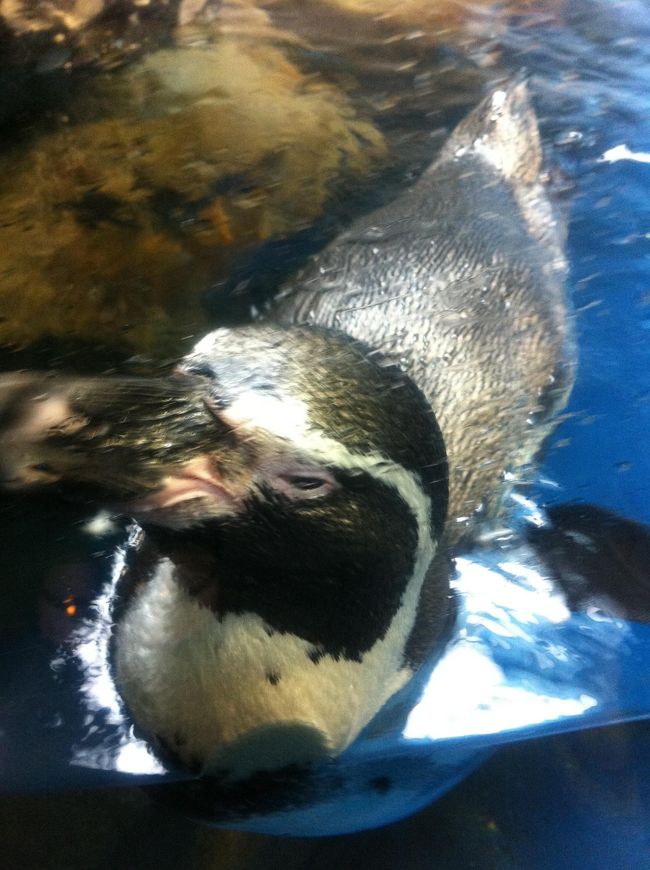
<point>342,608</point>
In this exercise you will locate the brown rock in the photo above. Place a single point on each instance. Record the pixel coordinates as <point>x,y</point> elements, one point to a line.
<point>114,226</point>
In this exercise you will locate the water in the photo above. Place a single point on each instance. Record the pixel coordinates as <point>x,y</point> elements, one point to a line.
<point>590,76</point>
<point>608,252</point>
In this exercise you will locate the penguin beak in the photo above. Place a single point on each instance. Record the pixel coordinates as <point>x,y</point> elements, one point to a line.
<point>136,445</point>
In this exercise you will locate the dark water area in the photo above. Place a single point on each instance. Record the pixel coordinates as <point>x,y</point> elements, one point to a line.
<point>119,260</point>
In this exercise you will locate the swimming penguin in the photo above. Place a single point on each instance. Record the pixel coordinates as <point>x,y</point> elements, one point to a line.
<point>297,483</point>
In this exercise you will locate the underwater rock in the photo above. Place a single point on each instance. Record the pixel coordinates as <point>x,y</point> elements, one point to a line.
<point>114,223</point>
<point>163,140</point>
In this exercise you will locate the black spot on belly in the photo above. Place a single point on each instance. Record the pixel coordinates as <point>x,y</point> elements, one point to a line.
<point>381,784</point>
<point>273,677</point>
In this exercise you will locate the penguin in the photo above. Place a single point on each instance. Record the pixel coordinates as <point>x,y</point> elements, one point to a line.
<point>298,484</point>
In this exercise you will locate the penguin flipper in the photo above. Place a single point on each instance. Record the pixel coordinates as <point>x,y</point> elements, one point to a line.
<point>599,559</point>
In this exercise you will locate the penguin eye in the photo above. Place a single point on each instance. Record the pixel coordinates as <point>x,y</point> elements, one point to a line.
<point>302,486</point>
<point>306,484</point>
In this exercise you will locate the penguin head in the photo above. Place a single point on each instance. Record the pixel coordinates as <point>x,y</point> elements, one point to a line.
<point>293,465</point>
<point>343,494</point>
<point>302,417</point>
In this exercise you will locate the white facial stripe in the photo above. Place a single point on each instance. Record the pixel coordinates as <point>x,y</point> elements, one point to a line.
<point>285,417</point>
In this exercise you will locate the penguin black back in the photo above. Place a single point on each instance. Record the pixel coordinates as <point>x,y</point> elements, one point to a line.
<point>461,283</point>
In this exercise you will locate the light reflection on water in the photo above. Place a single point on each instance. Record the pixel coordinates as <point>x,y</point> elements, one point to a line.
<point>120,750</point>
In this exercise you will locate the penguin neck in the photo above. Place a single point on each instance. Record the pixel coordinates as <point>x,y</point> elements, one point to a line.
<point>342,610</point>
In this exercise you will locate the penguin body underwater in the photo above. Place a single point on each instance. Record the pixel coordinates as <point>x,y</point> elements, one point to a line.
<point>298,483</point>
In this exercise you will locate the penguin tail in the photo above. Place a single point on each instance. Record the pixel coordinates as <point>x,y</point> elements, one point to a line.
<point>502,130</point>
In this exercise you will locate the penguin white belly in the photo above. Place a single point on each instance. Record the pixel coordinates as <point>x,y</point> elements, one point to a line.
<point>236,696</point>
